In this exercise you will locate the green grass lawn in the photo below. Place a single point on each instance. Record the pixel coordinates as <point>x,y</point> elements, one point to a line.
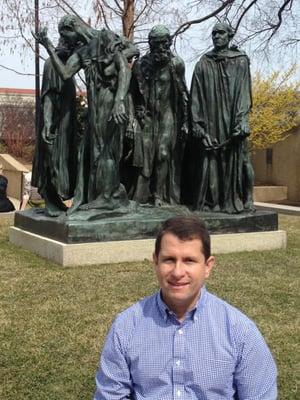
<point>53,320</point>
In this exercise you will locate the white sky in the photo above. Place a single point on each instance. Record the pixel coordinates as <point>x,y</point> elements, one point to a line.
<point>10,79</point>
<point>25,63</point>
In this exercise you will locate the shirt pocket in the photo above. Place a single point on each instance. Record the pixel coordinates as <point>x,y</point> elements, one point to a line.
<point>213,379</point>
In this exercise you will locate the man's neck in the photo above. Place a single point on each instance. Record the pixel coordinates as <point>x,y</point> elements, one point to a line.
<point>221,50</point>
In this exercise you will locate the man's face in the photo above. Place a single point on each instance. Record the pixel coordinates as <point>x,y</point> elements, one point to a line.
<point>70,36</point>
<point>160,48</point>
<point>181,271</point>
<point>220,37</point>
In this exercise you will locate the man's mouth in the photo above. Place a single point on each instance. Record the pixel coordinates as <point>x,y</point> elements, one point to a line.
<point>178,284</point>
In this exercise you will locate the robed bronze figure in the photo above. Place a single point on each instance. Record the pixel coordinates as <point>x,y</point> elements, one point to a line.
<point>219,174</point>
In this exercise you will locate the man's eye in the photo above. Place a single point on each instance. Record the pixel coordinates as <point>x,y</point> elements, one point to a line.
<point>168,260</point>
<point>190,261</point>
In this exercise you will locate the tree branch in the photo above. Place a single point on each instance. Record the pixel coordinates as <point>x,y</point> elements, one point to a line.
<point>118,6</point>
<point>70,8</point>
<point>119,10</point>
<point>15,71</point>
<point>182,28</point>
<point>244,13</point>
<point>280,12</point>
<point>102,14</point>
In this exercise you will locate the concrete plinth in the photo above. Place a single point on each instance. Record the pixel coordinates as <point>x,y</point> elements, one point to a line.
<point>135,250</point>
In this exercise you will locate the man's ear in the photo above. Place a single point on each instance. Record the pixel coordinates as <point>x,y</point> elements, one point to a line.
<point>210,262</point>
<point>155,259</point>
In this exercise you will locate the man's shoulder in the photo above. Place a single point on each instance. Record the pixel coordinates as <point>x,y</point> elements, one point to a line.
<point>229,314</point>
<point>202,63</point>
<point>233,53</point>
<point>145,59</point>
<point>142,66</point>
<point>138,311</point>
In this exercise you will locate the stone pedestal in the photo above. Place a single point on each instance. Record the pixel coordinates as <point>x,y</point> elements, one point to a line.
<point>97,239</point>
<point>135,250</point>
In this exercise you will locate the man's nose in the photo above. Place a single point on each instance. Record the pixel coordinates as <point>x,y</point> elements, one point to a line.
<point>178,270</point>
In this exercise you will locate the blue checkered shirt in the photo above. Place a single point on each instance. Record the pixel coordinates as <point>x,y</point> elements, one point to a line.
<point>215,353</point>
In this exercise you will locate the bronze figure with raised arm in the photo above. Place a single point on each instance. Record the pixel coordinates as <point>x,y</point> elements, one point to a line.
<point>104,56</point>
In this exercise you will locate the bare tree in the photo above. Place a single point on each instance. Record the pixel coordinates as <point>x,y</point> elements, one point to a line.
<point>260,22</point>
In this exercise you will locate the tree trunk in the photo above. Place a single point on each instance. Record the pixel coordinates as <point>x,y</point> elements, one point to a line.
<point>128,18</point>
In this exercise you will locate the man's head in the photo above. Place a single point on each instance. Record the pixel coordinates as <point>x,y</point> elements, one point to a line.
<point>66,29</point>
<point>222,34</point>
<point>185,228</point>
<point>182,262</point>
<point>160,42</point>
<point>74,30</point>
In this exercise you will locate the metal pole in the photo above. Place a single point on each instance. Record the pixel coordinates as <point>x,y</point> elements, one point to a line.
<point>37,69</point>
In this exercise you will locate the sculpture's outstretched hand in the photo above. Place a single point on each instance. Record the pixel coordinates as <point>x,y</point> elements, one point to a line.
<point>42,38</point>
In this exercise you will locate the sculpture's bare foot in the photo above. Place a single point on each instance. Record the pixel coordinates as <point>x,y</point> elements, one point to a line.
<point>158,202</point>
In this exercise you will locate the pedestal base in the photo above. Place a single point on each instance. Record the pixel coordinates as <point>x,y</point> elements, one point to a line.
<point>135,250</point>
<point>111,238</point>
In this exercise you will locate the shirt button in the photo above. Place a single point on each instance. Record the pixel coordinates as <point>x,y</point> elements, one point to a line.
<point>178,393</point>
<point>180,331</point>
<point>178,362</point>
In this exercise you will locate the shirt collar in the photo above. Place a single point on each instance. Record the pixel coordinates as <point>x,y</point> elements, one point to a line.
<point>166,312</point>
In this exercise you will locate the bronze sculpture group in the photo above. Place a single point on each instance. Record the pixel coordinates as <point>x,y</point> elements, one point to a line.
<point>147,139</point>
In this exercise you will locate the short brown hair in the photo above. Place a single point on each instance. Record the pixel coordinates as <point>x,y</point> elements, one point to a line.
<point>185,228</point>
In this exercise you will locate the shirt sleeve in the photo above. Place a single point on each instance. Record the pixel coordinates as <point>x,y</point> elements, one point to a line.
<point>255,377</point>
<point>113,379</point>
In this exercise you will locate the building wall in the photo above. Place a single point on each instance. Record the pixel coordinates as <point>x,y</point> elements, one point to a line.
<point>8,95</point>
<point>285,166</point>
<point>15,98</point>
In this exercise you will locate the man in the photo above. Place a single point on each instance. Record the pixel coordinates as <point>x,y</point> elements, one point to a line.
<point>159,96</point>
<point>222,176</point>
<point>5,204</point>
<point>183,342</point>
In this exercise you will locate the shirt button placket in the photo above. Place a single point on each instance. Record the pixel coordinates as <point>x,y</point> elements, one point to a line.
<point>178,372</point>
